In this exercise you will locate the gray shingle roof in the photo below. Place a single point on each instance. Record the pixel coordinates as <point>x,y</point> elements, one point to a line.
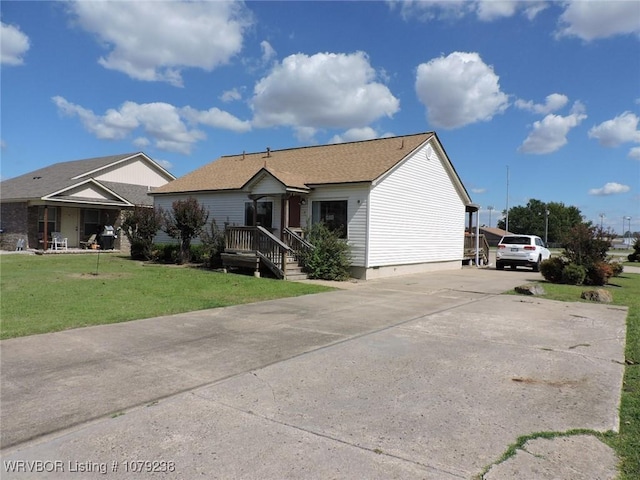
<point>59,176</point>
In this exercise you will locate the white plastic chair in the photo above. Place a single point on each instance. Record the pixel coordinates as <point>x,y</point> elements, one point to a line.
<point>58,241</point>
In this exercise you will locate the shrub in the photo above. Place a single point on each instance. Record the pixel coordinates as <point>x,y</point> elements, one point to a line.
<point>140,225</point>
<point>165,252</point>
<point>197,254</point>
<point>599,274</point>
<point>635,256</point>
<point>213,244</point>
<point>573,274</point>
<point>586,246</point>
<point>617,268</point>
<point>330,257</point>
<point>551,269</point>
<point>184,222</point>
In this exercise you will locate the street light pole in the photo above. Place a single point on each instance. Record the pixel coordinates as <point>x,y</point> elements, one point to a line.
<point>601,220</point>
<point>625,233</point>
<point>490,208</point>
<point>546,225</point>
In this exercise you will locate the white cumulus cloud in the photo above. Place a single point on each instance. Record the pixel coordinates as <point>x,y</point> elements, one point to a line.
<point>459,89</point>
<point>325,90</point>
<point>592,19</point>
<point>154,41</point>
<point>216,118</point>
<point>13,45</point>
<point>615,132</point>
<point>634,153</point>
<point>484,10</point>
<point>610,188</point>
<point>164,123</point>
<point>553,102</point>
<point>354,135</point>
<point>550,134</point>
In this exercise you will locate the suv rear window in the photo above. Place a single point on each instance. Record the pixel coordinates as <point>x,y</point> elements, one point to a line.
<point>516,241</point>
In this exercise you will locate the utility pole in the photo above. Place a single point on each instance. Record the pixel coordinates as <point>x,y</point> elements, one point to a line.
<point>601,220</point>
<point>506,223</point>
<point>490,208</point>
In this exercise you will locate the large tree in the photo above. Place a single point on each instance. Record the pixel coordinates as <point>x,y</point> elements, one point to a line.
<point>530,219</point>
<point>184,222</point>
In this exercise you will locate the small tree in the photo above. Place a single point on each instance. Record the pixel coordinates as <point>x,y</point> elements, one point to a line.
<point>184,222</point>
<point>140,225</point>
<point>586,246</point>
<point>330,257</point>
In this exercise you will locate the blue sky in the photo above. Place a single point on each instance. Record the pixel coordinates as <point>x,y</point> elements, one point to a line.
<point>549,89</point>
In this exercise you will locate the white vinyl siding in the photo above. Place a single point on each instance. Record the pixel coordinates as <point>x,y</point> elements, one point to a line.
<point>136,172</point>
<point>267,185</point>
<point>417,215</point>
<point>89,191</point>
<point>356,197</point>
<point>224,207</point>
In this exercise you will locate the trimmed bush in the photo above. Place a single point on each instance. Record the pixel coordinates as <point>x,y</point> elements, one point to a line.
<point>599,274</point>
<point>635,256</point>
<point>330,257</point>
<point>617,268</point>
<point>552,268</point>
<point>573,274</point>
<point>165,252</point>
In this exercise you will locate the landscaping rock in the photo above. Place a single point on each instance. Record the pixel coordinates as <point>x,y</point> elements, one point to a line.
<point>530,289</point>
<point>600,295</point>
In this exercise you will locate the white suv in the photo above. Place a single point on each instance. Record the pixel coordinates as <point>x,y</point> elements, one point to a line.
<point>521,250</point>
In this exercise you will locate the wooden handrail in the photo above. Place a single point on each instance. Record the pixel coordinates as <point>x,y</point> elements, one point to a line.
<point>298,244</point>
<point>470,244</point>
<point>260,241</point>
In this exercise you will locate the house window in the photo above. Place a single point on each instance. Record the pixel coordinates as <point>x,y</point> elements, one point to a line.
<point>91,221</point>
<point>333,214</point>
<point>52,217</point>
<point>264,215</point>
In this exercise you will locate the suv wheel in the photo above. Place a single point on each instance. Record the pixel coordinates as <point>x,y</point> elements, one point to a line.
<point>499,266</point>
<point>536,267</point>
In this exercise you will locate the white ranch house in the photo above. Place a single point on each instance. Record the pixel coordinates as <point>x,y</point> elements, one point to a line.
<point>398,201</point>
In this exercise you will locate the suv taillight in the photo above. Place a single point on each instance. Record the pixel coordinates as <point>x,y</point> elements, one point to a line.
<point>529,247</point>
<point>501,246</point>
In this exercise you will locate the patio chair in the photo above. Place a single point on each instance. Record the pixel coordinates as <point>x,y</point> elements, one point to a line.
<point>58,241</point>
<point>89,242</point>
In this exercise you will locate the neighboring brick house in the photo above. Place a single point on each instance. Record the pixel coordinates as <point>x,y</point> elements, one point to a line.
<point>76,198</point>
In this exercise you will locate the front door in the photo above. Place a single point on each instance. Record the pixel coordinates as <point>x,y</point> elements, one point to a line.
<point>294,211</point>
<point>69,226</point>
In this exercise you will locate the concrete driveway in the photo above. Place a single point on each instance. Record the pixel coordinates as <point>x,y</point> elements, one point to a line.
<point>426,376</point>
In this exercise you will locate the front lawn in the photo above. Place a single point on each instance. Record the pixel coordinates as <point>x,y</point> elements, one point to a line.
<point>626,291</point>
<point>48,293</point>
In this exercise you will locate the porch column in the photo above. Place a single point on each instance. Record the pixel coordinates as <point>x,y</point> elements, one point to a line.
<point>285,215</point>
<point>46,224</point>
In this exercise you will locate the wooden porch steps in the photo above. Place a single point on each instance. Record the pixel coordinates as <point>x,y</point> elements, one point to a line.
<point>251,260</point>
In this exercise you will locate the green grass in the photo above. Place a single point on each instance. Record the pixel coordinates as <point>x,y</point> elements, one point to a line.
<point>625,291</point>
<point>49,293</point>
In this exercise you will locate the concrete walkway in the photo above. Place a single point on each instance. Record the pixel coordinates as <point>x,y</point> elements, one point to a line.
<point>424,376</point>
